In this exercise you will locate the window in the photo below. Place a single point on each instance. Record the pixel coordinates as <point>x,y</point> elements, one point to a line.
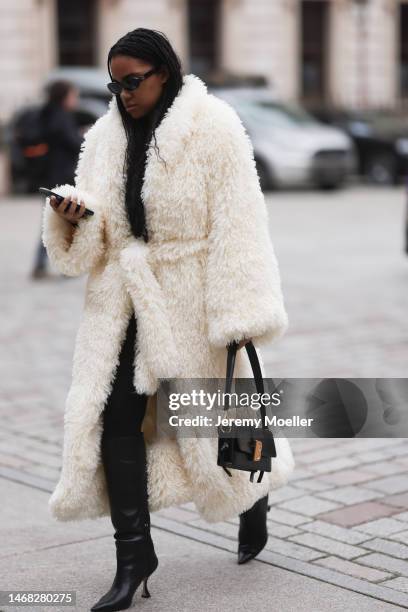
<point>314,52</point>
<point>403,51</point>
<point>76,32</point>
<point>203,29</point>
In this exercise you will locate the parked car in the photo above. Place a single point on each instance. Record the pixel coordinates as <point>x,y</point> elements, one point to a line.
<point>291,147</point>
<point>381,141</point>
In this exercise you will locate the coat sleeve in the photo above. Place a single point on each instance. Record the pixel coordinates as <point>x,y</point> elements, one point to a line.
<point>244,296</point>
<point>87,246</point>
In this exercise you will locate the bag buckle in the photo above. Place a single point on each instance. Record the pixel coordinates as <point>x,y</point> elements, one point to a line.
<point>257,450</point>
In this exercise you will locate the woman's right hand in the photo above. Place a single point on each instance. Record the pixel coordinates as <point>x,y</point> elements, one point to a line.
<point>66,209</point>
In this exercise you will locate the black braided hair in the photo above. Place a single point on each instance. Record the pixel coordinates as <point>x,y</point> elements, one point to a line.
<point>154,47</point>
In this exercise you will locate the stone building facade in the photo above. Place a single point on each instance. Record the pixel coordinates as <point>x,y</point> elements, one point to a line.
<point>350,53</point>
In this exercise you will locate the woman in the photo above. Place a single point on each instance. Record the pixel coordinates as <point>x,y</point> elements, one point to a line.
<point>180,264</point>
<point>64,144</point>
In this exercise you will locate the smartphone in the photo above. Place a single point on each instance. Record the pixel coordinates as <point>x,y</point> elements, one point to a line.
<point>60,198</point>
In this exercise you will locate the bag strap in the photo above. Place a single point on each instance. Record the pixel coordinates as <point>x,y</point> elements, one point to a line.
<point>256,370</point>
<point>259,384</point>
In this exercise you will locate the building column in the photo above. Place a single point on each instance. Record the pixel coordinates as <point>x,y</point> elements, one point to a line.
<point>117,17</point>
<point>262,37</point>
<point>364,59</point>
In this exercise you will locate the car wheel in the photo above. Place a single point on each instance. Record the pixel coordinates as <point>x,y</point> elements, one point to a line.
<point>264,177</point>
<point>330,185</point>
<point>406,221</point>
<point>406,237</point>
<point>381,170</point>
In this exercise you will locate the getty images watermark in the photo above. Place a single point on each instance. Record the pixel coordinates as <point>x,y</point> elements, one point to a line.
<point>297,407</point>
<point>213,401</point>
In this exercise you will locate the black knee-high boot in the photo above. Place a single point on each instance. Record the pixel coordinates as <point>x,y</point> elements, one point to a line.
<point>253,530</point>
<point>124,460</point>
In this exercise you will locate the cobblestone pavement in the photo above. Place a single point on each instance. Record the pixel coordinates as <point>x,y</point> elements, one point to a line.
<point>343,518</point>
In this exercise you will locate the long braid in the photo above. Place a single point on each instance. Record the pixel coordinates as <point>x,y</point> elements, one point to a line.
<point>154,47</point>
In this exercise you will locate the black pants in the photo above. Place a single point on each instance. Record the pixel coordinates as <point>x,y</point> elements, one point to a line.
<point>125,408</point>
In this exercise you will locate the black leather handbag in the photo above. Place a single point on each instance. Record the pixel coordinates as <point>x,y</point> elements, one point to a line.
<point>245,448</point>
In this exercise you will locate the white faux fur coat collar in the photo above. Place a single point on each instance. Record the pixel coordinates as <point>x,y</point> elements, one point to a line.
<point>208,275</point>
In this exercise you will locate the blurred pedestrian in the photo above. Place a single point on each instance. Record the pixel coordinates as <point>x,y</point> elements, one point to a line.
<point>64,142</point>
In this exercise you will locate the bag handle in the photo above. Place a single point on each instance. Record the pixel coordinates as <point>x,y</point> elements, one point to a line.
<point>259,383</point>
<point>256,370</point>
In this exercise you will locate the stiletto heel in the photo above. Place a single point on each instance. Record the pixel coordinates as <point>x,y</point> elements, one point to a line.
<point>145,589</point>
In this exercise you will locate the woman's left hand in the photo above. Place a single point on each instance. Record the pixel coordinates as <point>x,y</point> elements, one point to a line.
<point>243,343</point>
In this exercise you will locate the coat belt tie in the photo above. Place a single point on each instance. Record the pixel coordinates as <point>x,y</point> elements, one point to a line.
<point>155,336</point>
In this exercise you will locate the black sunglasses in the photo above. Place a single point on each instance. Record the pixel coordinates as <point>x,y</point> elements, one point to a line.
<point>130,83</point>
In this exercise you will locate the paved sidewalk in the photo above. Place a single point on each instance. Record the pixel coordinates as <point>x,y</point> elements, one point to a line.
<point>338,530</point>
<point>193,574</point>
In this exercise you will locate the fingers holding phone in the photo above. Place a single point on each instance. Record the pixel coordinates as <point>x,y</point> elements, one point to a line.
<point>67,208</point>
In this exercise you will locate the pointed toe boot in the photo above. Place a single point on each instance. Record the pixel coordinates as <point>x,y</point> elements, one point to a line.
<point>124,460</point>
<point>253,531</point>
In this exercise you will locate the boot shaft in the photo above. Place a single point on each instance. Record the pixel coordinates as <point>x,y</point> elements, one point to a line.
<point>124,460</point>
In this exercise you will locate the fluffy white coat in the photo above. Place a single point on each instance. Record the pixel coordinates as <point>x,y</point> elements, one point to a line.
<point>208,275</point>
